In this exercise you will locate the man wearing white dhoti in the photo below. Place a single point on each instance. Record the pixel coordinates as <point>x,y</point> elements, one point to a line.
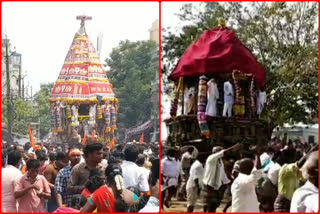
<point>213,95</point>
<point>228,98</point>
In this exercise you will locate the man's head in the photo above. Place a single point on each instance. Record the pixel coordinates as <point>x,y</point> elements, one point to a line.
<point>33,166</point>
<point>52,157</point>
<point>42,157</point>
<point>61,160</point>
<point>140,160</point>
<point>131,153</point>
<point>171,153</point>
<point>288,156</point>
<point>20,149</point>
<point>74,155</point>
<point>310,168</point>
<point>93,152</point>
<point>14,158</point>
<point>245,166</point>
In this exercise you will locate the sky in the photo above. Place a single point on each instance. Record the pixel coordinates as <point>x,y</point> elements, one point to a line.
<point>169,19</point>
<point>43,31</point>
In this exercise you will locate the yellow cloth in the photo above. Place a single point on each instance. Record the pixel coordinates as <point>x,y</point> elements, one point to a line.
<point>288,181</point>
<point>239,110</point>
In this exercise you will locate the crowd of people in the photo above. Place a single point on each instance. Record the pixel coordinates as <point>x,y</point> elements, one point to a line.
<point>76,178</point>
<point>281,176</point>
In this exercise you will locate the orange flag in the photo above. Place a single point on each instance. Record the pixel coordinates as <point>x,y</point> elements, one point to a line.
<point>141,138</point>
<point>112,142</point>
<point>84,140</point>
<point>32,142</point>
<point>93,135</point>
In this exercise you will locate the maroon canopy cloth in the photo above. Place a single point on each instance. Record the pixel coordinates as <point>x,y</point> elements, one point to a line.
<point>218,50</point>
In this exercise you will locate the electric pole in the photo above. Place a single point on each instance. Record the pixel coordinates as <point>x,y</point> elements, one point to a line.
<point>19,80</point>
<point>9,121</point>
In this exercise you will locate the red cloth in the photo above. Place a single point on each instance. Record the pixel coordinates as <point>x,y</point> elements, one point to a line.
<point>104,200</point>
<point>85,193</point>
<point>218,50</point>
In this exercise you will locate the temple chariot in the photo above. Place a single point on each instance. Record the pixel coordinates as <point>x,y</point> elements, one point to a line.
<point>218,95</point>
<point>82,103</point>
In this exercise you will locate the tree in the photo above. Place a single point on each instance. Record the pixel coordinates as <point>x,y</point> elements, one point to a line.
<point>282,35</point>
<point>43,107</point>
<point>131,73</point>
<point>29,111</point>
<point>22,114</point>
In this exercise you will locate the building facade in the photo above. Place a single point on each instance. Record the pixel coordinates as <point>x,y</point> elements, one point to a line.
<point>154,31</point>
<point>304,133</point>
<point>15,69</point>
<point>154,36</point>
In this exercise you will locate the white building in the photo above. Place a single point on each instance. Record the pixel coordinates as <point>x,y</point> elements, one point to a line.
<point>154,31</point>
<point>14,70</point>
<point>306,133</point>
<point>154,36</point>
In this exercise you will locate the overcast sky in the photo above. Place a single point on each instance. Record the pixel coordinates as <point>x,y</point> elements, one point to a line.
<point>43,31</point>
<point>169,19</point>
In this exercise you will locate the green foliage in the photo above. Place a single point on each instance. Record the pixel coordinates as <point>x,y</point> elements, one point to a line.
<point>282,35</point>
<point>131,73</point>
<point>25,112</point>
<point>43,105</point>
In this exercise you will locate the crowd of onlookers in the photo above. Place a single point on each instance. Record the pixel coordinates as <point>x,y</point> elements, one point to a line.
<point>281,176</point>
<point>76,178</point>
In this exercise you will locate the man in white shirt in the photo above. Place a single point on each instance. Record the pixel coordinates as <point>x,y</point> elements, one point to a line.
<point>152,205</point>
<point>273,172</point>
<point>215,178</point>
<point>141,160</point>
<point>244,197</point>
<point>306,198</point>
<point>228,98</point>
<point>10,175</point>
<point>194,184</point>
<point>132,175</point>
<point>170,171</point>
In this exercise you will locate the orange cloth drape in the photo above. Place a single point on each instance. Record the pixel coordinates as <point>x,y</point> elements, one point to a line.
<point>112,142</point>
<point>32,142</point>
<point>84,140</point>
<point>141,138</point>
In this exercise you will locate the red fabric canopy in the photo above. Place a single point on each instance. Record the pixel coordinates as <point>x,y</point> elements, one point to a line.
<point>82,77</point>
<point>218,50</point>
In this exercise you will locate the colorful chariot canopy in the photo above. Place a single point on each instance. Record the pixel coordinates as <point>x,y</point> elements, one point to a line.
<point>82,77</point>
<point>218,51</point>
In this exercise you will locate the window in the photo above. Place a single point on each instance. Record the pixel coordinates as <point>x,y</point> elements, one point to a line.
<point>17,60</point>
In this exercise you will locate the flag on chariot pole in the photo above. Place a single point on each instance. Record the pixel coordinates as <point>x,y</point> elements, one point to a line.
<point>141,138</point>
<point>32,141</point>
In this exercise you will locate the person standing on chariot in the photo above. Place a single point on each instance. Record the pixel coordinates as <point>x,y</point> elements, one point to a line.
<point>213,96</point>
<point>228,98</point>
